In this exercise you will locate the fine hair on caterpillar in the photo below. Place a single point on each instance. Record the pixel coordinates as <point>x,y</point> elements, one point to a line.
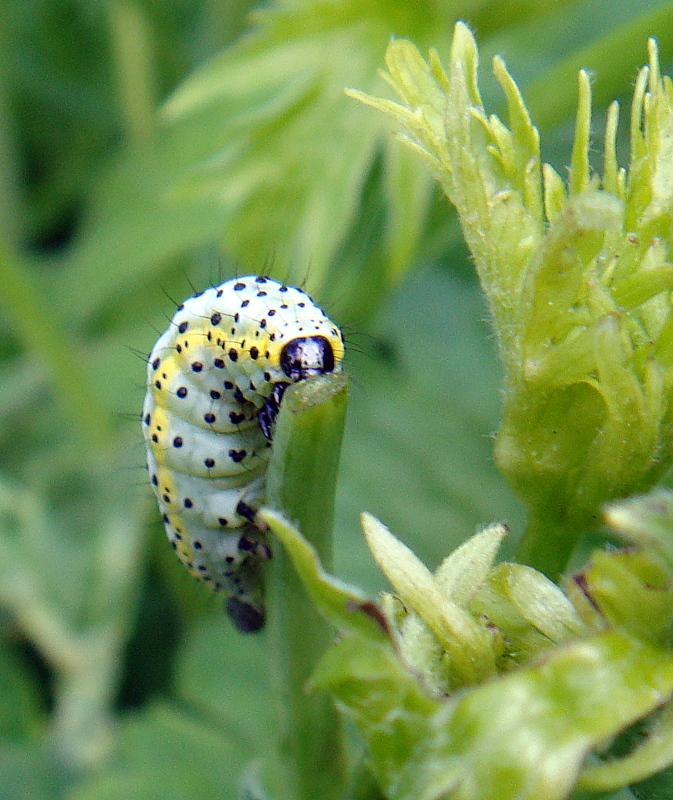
<point>215,384</point>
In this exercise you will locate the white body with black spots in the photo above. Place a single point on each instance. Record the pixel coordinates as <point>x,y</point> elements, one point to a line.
<point>215,381</point>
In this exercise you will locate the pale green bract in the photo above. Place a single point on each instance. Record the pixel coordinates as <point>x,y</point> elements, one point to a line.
<point>569,671</point>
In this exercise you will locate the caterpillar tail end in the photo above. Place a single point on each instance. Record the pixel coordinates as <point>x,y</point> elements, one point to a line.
<point>247,618</point>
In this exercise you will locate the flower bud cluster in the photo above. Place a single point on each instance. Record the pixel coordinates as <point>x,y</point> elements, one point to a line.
<point>578,277</point>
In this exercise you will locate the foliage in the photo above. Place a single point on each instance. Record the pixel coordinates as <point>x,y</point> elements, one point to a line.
<point>577,279</point>
<point>145,145</point>
<point>527,733</point>
<point>574,279</point>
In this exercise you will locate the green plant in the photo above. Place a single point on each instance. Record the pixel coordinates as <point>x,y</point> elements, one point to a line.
<point>576,278</point>
<point>145,146</point>
<point>579,287</point>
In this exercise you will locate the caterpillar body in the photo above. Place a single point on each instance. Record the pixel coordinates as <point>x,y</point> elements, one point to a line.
<point>215,382</point>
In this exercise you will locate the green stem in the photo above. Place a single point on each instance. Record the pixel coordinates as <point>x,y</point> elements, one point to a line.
<point>12,212</point>
<point>82,725</point>
<point>301,483</point>
<point>363,784</point>
<point>132,53</point>
<point>34,323</point>
<point>548,544</point>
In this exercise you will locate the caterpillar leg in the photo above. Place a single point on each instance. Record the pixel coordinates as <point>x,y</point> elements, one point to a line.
<point>245,581</point>
<point>251,499</point>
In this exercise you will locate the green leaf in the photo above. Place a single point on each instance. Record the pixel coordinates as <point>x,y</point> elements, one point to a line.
<point>346,607</point>
<point>631,590</point>
<point>568,349</point>
<point>38,583</point>
<point>223,676</point>
<point>464,570</point>
<point>539,601</point>
<point>72,598</point>
<point>524,735</point>
<point>646,520</point>
<point>393,713</point>
<point>651,755</point>
<point>165,753</point>
<point>265,133</point>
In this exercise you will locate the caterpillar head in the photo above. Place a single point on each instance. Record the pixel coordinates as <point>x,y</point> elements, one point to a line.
<point>310,355</point>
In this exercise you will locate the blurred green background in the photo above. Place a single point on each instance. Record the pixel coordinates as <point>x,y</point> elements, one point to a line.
<point>149,148</point>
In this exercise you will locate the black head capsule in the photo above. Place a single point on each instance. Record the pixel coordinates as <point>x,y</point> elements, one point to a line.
<point>306,356</point>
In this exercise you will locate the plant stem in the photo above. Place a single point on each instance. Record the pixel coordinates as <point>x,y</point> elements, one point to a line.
<point>82,727</point>
<point>12,212</point>
<point>132,53</point>
<point>301,483</point>
<point>548,544</point>
<point>45,340</point>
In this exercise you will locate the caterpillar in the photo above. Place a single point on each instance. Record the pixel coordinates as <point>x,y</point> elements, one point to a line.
<point>215,382</point>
